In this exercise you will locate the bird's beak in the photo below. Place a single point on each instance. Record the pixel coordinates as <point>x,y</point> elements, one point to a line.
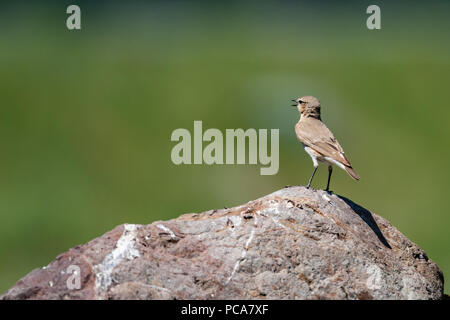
<point>296,103</point>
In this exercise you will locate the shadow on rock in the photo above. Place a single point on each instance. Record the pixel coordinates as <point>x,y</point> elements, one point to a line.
<point>368,218</point>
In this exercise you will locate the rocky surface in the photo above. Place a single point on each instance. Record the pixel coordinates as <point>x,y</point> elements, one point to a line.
<point>292,244</point>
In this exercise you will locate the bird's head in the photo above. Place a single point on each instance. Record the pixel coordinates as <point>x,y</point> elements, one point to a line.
<point>308,106</point>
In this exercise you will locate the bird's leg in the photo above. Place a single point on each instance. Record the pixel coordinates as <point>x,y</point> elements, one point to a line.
<point>330,170</point>
<point>310,179</point>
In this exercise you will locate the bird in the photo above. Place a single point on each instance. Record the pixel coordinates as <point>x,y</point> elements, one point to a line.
<point>318,141</point>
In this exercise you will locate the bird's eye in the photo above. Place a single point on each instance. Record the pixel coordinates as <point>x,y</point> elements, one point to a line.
<point>300,101</point>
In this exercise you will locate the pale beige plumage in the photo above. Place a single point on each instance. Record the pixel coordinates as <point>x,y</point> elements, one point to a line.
<point>318,140</point>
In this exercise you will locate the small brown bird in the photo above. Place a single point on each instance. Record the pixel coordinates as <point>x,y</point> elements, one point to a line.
<point>317,139</point>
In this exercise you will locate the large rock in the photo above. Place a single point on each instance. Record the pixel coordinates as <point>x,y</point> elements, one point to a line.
<point>292,244</point>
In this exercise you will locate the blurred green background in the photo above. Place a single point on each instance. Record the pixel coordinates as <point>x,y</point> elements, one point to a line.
<point>86,116</point>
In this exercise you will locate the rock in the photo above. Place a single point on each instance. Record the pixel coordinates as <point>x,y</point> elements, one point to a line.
<point>292,244</point>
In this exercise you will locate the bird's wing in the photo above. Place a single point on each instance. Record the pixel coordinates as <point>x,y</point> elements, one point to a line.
<point>315,134</point>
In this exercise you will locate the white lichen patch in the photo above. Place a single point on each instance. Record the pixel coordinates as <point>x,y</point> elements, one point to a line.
<point>274,209</point>
<point>374,281</point>
<point>124,250</point>
<point>167,230</point>
<point>411,287</point>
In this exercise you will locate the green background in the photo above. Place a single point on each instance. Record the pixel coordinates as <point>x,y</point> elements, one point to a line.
<point>86,116</point>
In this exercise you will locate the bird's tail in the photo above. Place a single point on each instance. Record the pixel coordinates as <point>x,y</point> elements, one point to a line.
<point>352,173</point>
